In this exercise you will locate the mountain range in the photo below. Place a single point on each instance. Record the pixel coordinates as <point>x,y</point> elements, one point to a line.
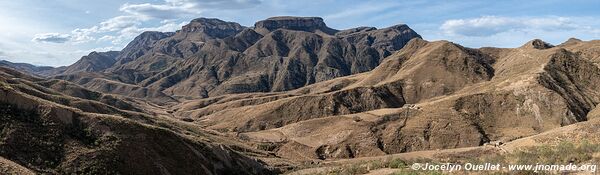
<point>211,57</point>
<point>287,94</point>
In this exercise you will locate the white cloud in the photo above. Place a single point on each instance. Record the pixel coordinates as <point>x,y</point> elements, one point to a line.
<point>125,27</point>
<point>51,38</point>
<point>125,35</point>
<point>496,31</point>
<point>3,55</point>
<point>215,4</point>
<point>98,49</point>
<point>106,38</point>
<point>368,7</point>
<point>172,9</point>
<point>492,25</point>
<point>119,23</point>
<point>83,35</point>
<point>159,11</point>
<point>76,36</point>
<point>168,27</point>
<point>36,57</point>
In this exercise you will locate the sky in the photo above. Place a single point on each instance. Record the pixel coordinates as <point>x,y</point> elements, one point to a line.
<point>59,32</point>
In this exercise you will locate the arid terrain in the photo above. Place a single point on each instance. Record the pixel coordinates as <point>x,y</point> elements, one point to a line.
<point>292,95</point>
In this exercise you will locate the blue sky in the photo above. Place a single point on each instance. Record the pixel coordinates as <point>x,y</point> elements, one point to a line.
<point>59,32</point>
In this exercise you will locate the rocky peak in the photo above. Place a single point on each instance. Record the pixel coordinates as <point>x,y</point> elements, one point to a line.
<point>213,27</point>
<point>571,41</point>
<point>309,24</point>
<point>415,44</point>
<point>401,27</point>
<point>395,37</point>
<point>537,44</point>
<point>144,41</point>
<point>153,35</point>
<point>140,45</point>
<point>109,55</point>
<point>93,62</point>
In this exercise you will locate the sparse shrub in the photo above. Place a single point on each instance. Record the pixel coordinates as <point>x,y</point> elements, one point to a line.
<point>377,165</point>
<point>564,152</point>
<point>397,163</point>
<point>355,169</point>
<point>5,86</point>
<point>266,146</point>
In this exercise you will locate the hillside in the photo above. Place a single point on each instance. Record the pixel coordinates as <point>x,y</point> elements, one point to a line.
<point>420,98</point>
<point>57,132</point>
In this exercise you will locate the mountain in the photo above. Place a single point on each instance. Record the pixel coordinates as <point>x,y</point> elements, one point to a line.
<point>32,69</point>
<point>211,57</point>
<point>94,62</point>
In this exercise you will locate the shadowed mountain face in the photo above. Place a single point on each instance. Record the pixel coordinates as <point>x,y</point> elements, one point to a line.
<point>211,57</point>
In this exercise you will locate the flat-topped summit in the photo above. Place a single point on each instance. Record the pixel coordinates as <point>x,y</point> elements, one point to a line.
<point>309,24</point>
<point>213,27</point>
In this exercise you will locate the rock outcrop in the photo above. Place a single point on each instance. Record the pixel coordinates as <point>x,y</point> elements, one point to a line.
<point>307,24</point>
